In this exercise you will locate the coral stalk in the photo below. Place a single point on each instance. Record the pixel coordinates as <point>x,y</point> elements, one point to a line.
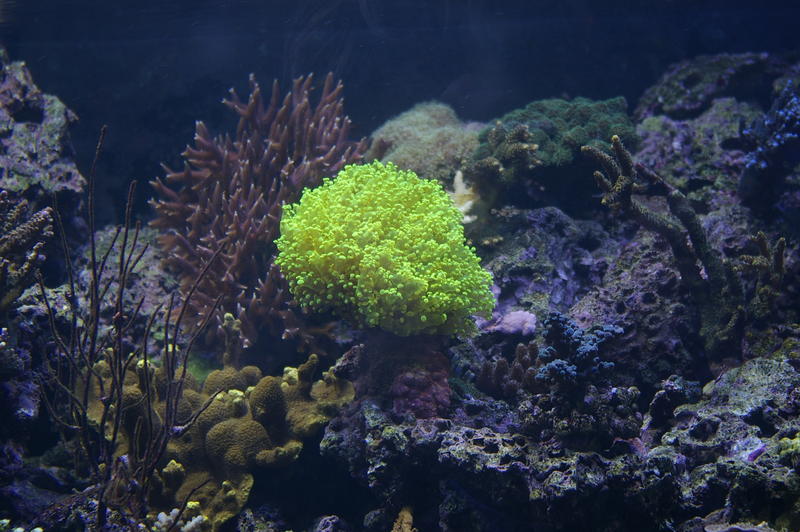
<point>719,294</point>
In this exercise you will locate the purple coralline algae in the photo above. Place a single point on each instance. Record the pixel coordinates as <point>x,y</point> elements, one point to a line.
<point>481,478</point>
<point>407,375</point>
<point>700,155</point>
<point>698,464</point>
<point>546,261</point>
<point>728,446</point>
<point>642,294</point>
<point>19,391</point>
<point>423,392</point>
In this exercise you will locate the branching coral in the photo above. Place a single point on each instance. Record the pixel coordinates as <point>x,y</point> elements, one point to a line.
<point>104,390</point>
<point>513,155</point>
<point>770,267</point>
<point>716,290</point>
<point>563,390</point>
<point>533,153</point>
<point>21,246</point>
<point>230,197</point>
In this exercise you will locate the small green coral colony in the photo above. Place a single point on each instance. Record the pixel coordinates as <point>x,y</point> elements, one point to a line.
<point>383,248</point>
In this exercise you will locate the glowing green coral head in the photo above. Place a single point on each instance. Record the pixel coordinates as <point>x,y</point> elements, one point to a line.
<point>383,248</point>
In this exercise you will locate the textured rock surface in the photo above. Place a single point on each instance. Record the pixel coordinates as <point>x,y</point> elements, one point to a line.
<point>33,135</point>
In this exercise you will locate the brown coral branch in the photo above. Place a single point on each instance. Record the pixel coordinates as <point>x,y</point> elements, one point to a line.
<point>88,376</point>
<point>230,195</point>
<point>719,294</point>
<point>770,267</point>
<point>21,246</point>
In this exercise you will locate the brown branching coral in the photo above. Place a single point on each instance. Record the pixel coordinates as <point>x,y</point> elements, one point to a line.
<point>21,243</point>
<point>404,521</point>
<point>716,290</point>
<point>501,379</point>
<point>513,153</point>
<point>230,195</point>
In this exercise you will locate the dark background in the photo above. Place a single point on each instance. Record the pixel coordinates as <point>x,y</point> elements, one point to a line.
<point>150,69</point>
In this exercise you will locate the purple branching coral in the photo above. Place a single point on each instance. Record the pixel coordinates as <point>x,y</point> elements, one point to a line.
<point>230,195</point>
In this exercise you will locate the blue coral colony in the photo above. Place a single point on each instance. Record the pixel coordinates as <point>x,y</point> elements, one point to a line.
<point>576,316</point>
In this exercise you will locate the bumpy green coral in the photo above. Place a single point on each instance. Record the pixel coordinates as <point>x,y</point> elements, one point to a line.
<point>531,156</point>
<point>560,127</point>
<point>383,248</point>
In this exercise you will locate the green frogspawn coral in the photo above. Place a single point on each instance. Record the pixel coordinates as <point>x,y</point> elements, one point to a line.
<point>381,247</point>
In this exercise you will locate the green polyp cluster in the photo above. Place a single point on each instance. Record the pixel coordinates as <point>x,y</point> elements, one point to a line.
<point>383,248</point>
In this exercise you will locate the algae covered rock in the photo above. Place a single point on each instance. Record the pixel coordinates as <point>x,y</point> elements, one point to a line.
<point>689,87</point>
<point>35,149</point>
<point>702,156</point>
<point>428,139</point>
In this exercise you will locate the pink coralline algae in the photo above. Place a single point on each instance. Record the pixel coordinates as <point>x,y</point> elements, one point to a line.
<point>516,322</point>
